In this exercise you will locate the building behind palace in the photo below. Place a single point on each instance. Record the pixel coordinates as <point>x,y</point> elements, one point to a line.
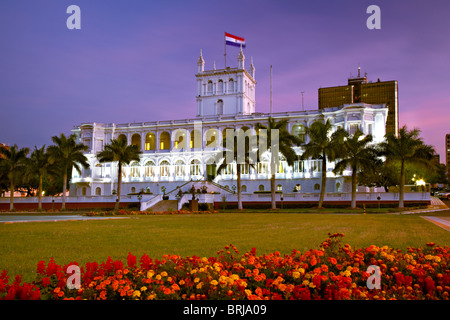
<point>357,90</point>
<point>177,151</point>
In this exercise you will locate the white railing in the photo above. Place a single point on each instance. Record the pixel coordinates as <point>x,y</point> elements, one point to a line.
<point>150,203</point>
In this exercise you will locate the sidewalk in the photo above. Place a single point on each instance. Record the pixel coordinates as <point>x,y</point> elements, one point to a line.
<point>443,222</point>
<point>436,205</point>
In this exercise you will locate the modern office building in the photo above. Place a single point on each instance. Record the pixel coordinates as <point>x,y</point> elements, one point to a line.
<point>447,154</point>
<point>177,151</point>
<point>359,90</point>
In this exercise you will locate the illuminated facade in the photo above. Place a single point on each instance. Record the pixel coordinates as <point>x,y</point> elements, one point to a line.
<point>360,90</point>
<point>177,151</point>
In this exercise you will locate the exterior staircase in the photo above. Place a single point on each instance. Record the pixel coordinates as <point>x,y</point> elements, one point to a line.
<point>165,205</point>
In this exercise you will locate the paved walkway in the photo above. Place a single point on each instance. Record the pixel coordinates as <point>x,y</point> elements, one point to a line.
<point>27,218</point>
<point>443,222</point>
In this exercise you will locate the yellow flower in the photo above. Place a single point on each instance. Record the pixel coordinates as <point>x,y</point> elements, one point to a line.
<point>199,286</point>
<point>163,274</point>
<point>437,259</point>
<point>295,274</point>
<point>196,280</point>
<point>150,274</point>
<point>136,294</point>
<point>305,282</point>
<point>169,279</point>
<point>214,283</point>
<point>144,288</point>
<point>158,277</point>
<point>248,292</point>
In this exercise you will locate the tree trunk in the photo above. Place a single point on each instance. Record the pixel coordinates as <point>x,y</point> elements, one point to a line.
<point>239,189</point>
<point>354,181</point>
<point>402,186</point>
<point>119,185</point>
<point>324,181</point>
<point>272,183</point>
<point>63,206</point>
<point>40,193</point>
<point>11,197</point>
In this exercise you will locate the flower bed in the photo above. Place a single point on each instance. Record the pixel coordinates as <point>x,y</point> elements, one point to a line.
<point>334,271</point>
<point>137,212</point>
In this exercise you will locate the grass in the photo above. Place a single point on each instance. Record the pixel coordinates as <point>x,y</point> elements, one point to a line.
<point>23,245</point>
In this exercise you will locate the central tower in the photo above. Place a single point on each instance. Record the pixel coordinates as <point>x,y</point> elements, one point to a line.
<point>225,91</point>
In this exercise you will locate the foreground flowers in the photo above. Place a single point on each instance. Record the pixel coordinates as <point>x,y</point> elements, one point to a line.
<point>334,271</point>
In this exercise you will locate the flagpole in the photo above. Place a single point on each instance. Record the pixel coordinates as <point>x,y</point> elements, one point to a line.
<point>225,46</point>
<point>270,89</point>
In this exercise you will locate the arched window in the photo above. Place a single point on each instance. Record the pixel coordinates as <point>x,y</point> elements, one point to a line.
<point>83,191</point>
<point>338,187</point>
<point>231,86</point>
<point>219,107</point>
<point>133,190</point>
<point>299,131</point>
<point>150,141</point>
<point>220,87</point>
<point>136,140</point>
<point>98,191</point>
<point>244,188</point>
<point>179,168</point>
<point>134,169</point>
<point>211,138</point>
<point>210,87</point>
<point>164,168</point>
<point>150,169</point>
<point>196,139</point>
<point>279,187</point>
<point>180,139</point>
<point>298,187</point>
<point>317,186</point>
<point>195,167</point>
<point>164,141</point>
<point>261,187</point>
<point>122,136</point>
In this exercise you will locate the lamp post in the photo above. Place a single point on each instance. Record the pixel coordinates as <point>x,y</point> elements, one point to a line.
<point>139,196</point>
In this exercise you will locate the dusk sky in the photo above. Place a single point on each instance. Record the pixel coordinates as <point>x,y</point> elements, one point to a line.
<point>135,60</point>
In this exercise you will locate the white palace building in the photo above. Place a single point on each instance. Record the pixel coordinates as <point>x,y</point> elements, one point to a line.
<point>175,152</point>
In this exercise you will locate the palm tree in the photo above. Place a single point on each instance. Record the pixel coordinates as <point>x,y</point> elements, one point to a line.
<point>406,148</point>
<point>283,141</point>
<point>39,165</point>
<point>67,154</point>
<point>12,165</point>
<point>323,145</point>
<point>359,155</point>
<point>233,154</point>
<point>118,151</point>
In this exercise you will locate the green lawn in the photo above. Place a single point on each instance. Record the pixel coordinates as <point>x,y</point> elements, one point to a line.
<point>23,245</point>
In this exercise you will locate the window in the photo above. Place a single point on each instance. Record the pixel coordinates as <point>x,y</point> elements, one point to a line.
<point>136,140</point>
<point>98,191</point>
<point>219,106</point>
<point>122,136</point>
<point>298,187</point>
<point>299,166</point>
<point>220,86</point>
<point>150,169</point>
<point>134,170</point>
<point>150,141</point>
<point>244,188</point>
<point>210,87</point>
<point>316,165</point>
<point>279,187</point>
<point>338,187</point>
<point>263,167</point>
<point>211,138</point>
<point>299,131</point>
<point>261,187</point>
<point>196,139</point>
<point>195,167</point>
<point>353,128</point>
<point>179,168</point>
<point>164,169</point>
<point>317,186</point>
<point>164,141</point>
<point>231,86</point>
<point>133,190</point>
<point>83,191</point>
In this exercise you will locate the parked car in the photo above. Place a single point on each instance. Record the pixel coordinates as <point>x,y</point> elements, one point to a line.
<point>444,194</point>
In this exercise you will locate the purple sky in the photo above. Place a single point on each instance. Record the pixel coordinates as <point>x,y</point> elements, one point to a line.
<point>136,60</point>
